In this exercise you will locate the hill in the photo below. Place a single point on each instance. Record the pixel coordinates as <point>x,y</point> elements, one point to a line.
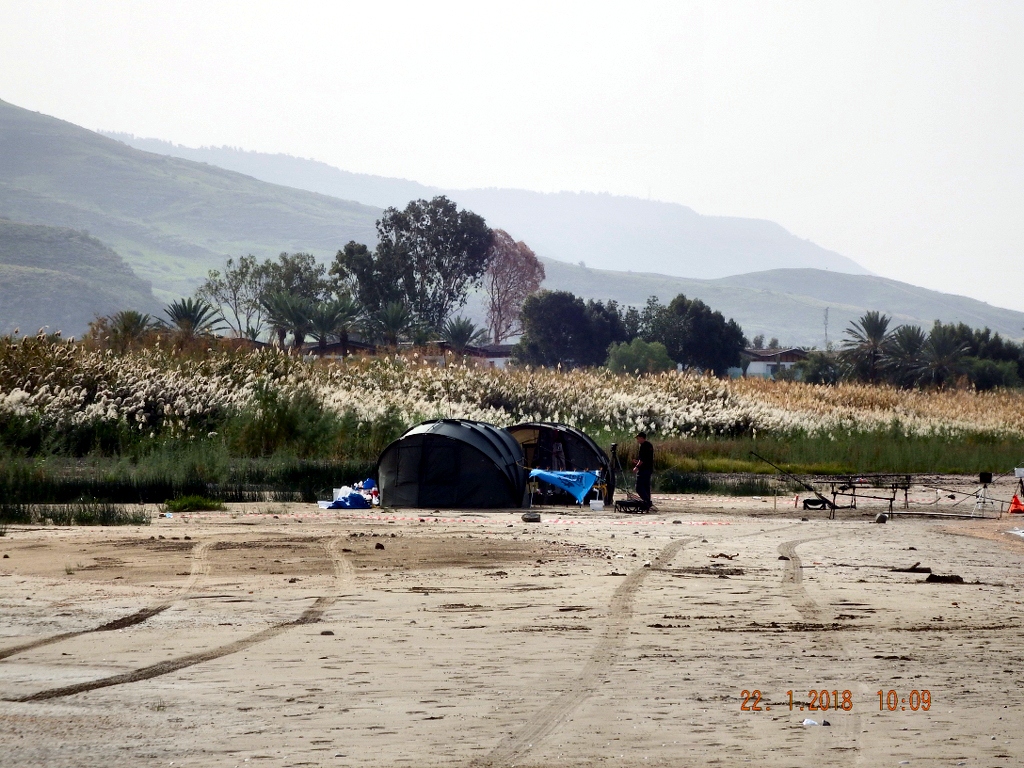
<point>171,219</point>
<point>790,303</point>
<point>605,231</point>
<point>62,279</point>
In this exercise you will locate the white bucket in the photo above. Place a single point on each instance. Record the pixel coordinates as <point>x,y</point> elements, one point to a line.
<point>597,505</point>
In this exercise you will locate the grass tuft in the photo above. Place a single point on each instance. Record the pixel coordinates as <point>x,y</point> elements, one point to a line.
<point>194,504</point>
<point>75,513</point>
<point>675,481</point>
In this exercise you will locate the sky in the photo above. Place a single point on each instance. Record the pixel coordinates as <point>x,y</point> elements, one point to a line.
<point>891,132</point>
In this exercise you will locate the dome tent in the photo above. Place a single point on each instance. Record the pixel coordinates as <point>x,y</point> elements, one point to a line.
<point>452,463</point>
<point>561,447</point>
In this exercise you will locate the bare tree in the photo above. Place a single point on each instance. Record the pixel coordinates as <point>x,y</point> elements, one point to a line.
<point>237,294</point>
<point>513,273</point>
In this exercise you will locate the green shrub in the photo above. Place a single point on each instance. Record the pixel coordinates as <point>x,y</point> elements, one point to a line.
<point>296,423</point>
<point>639,356</point>
<point>194,504</point>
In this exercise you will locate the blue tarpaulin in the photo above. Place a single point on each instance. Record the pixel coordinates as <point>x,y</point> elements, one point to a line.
<point>576,483</point>
<point>352,501</point>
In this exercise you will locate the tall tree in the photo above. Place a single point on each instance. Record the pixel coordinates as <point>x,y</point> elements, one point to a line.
<point>901,356</point>
<point>559,328</point>
<point>277,311</point>
<point>237,293</point>
<point>694,334</point>
<point>864,345</point>
<point>428,256</point>
<point>372,278</point>
<point>942,356</point>
<point>299,274</point>
<point>299,313</point>
<point>349,315</point>
<point>391,323</point>
<point>333,318</point>
<point>288,313</point>
<point>513,273</point>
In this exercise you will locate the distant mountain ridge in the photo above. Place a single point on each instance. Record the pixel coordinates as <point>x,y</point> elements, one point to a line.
<point>602,230</point>
<point>174,219</point>
<point>790,303</point>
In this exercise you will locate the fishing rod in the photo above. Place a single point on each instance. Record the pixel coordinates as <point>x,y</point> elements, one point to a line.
<point>966,494</point>
<point>980,493</point>
<point>830,504</point>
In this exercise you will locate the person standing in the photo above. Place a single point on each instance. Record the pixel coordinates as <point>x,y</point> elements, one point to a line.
<point>644,468</point>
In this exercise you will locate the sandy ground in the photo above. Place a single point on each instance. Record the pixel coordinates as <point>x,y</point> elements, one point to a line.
<point>279,635</point>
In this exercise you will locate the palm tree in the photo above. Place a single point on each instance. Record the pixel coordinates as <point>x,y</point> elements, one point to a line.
<point>941,357</point>
<point>461,332</point>
<point>277,307</point>
<point>391,322</point>
<point>902,355</point>
<point>334,318</point>
<point>128,328</point>
<point>287,313</point>
<point>298,313</point>
<point>350,313</point>
<point>190,318</point>
<point>863,349</point>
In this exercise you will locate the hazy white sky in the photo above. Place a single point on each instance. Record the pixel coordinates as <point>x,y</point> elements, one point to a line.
<point>892,132</point>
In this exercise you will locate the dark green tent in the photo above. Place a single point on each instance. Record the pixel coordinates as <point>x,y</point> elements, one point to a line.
<point>452,464</point>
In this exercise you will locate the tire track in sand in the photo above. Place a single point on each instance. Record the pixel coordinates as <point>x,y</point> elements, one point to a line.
<point>342,572</point>
<point>546,720</point>
<point>793,578</point>
<point>200,569</point>
<point>620,610</point>
<point>812,613</point>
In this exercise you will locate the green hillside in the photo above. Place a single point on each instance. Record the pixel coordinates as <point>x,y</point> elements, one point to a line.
<point>790,303</point>
<point>61,279</point>
<point>171,219</point>
<point>602,230</point>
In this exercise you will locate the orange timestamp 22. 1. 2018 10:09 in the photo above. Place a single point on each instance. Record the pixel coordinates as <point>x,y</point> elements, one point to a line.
<point>825,700</point>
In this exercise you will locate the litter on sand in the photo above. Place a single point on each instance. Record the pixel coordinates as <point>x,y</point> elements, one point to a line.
<point>362,495</point>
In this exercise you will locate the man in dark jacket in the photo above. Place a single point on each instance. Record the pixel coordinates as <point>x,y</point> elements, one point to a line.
<point>644,468</point>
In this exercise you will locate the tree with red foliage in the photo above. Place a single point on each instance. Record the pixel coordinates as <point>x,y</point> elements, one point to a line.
<point>513,273</point>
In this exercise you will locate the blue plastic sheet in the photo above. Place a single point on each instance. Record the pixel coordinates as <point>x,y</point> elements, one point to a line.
<point>352,501</point>
<point>578,484</point>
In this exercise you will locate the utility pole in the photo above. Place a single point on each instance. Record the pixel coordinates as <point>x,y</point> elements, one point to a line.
<point>826,329</point>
